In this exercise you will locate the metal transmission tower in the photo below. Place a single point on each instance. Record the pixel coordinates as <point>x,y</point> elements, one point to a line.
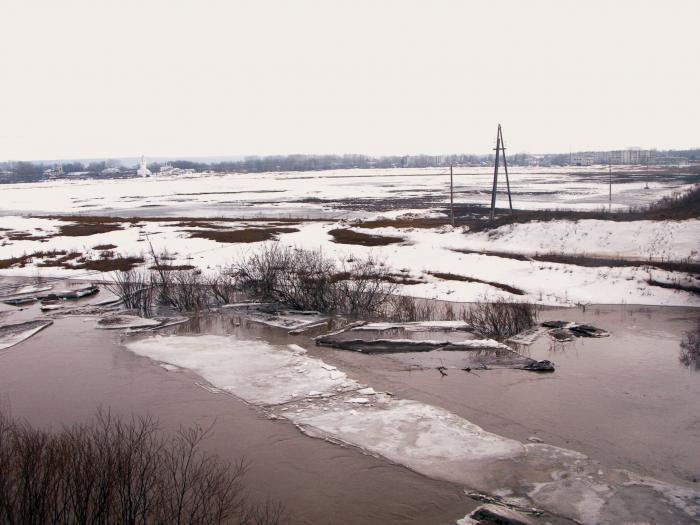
<point>500,148</point>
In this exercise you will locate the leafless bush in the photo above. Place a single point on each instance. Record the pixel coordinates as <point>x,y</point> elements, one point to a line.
<point>366,285</point>
<point>223,286</point>
<point>187,291</point>
<point>690,348</point>
<point>405,309</point>
<point>111,471</point>
<point>134,288</point>
<point>308,280</point>
<point>501,319</point>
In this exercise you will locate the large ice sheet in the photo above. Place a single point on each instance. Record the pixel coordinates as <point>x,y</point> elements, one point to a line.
<point>256,371</point>
<point>12,334</point>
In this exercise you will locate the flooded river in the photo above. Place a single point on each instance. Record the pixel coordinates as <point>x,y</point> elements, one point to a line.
<point>627,401</point>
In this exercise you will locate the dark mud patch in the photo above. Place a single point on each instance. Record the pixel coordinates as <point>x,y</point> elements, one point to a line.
<point>345,236</point>
<point>104,247</point>
<point>245,236</point>
<point>464,278</point>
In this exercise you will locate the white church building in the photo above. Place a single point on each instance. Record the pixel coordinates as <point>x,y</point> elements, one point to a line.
<point>143,170</point>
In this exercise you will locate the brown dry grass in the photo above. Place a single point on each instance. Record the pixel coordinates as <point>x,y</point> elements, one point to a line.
<point>171,267</point>
<point>83,229</point>
<point>73,261</point>
<point>403,223</point>
<point>123,264</point>
<point>25,259</point>
<point>464,278</point>
<point>28,236</point>
<point>104,247</point>
<point>345,236</point>
<point>247,235</point>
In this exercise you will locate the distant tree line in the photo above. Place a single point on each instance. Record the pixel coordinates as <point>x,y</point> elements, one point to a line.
<point>34,171</point>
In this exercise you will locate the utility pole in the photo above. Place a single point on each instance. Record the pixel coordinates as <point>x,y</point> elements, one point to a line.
<point>500,148</point>
<point>609,184</point>
<point>452,203</point>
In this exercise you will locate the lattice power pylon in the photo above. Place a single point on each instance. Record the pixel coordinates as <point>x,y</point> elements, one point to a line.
<point>500,148</point>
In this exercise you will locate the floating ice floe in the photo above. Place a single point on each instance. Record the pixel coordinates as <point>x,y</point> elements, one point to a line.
<point>12,334</point>
<point>253,370</point>
<point>427,439</point>
<point>419,326</point>
<point>566,331</point>
<point>273,314</point>
<point>121,322</point>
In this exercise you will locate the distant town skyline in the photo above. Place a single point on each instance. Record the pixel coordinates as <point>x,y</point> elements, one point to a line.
<point>96,79</point>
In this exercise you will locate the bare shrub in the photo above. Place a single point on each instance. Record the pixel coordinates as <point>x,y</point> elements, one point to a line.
<point>259,273</point>
<point>308,280</point>
<point>114,471</point>
<point>186,291</point>
<point>134,288</point>
<point>366,285</point>
<point>403,309</point>
<point>223,286</point>
<point>501,319</point>
<point>690,348</point>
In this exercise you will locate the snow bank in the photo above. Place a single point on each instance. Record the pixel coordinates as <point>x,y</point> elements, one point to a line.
<point>642,240</point>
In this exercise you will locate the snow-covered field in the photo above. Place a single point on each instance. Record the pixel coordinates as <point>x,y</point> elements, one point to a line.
<point>281,194</point>
<point>422,252</point>
<point>431,250</point>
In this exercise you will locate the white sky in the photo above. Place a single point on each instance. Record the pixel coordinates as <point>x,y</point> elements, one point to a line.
<point>98,78</point>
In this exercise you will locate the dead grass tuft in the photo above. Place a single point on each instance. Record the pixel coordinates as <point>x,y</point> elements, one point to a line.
<point>346,236</point>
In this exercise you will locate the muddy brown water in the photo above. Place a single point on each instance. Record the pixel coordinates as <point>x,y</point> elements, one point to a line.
<point>625,400</point>
<point>64,374</point>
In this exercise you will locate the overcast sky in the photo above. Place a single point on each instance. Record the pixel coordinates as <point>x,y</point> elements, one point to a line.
<point>188,78</point>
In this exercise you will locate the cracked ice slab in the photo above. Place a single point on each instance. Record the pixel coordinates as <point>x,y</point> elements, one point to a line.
<point>428,439</point>
<point>256,371</point>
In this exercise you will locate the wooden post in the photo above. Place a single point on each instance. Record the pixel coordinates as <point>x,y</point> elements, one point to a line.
<point>452,202</point>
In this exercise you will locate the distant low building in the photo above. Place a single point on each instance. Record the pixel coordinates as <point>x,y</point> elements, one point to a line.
<point>170,170</point>
<point>632,156</point>
<point>110,171</point>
